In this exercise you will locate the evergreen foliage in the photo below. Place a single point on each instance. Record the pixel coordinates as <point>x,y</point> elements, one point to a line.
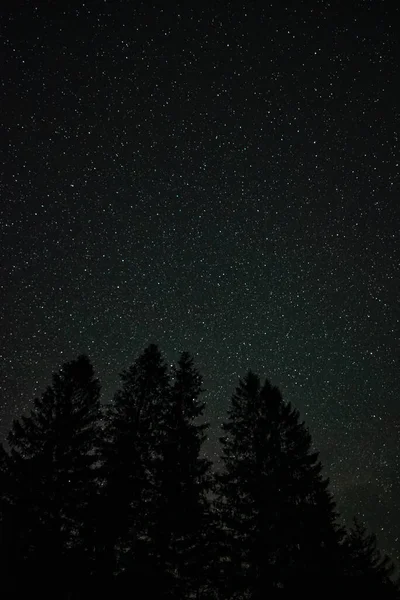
<point>116,502</point>
<point>128,454</point>
<point>278,518</point>
<point>368,570</point>
<point>49,483</point>
<point>181,519</point>
<point>155,481</point>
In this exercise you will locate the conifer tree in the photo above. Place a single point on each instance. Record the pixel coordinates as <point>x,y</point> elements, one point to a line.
<point>182,518</point>
<point>277,516</point>
<point>155,481</point>
<point>128,455</point>
<point>8,539</point>
<point>52,481</point>
<point>368,570</point>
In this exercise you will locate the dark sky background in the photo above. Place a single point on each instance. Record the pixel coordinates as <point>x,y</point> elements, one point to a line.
<point>220,180</point>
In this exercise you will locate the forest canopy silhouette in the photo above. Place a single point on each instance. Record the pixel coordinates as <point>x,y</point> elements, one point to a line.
<point>118,500</point>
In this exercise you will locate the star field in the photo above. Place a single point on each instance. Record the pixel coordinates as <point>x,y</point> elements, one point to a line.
<point>218,180</point>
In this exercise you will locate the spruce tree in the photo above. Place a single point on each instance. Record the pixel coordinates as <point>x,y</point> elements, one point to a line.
<point>128,489</point>
<point>8,538</point>
<point>368,570</point>
<point>182,519</point>
<point>278,529</point>
<point>156,512</point>
<point>52,481</point>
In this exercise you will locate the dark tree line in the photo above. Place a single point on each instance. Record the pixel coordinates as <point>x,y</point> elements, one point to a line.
<point>118,501</point>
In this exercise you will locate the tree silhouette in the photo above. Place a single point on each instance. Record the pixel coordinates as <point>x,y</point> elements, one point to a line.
<point>368,570</point>
<point>103,503</point>
<point>51,475</point>
<point>182,518</point>
<point>278,519</point>
<point>156,483</point>
<point>8,540</point>
<point>128,455</point>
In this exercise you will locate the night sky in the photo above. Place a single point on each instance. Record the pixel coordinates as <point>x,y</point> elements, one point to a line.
<point>218,180</point>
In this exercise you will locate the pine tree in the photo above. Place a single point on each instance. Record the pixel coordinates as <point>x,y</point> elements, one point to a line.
<point>128,455</point>
<point>8,547</point>
<point>155,481</point>
<point>368,570</point>
<point>51,482</point>
<point>278,529</point>
<point>182,517</point>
